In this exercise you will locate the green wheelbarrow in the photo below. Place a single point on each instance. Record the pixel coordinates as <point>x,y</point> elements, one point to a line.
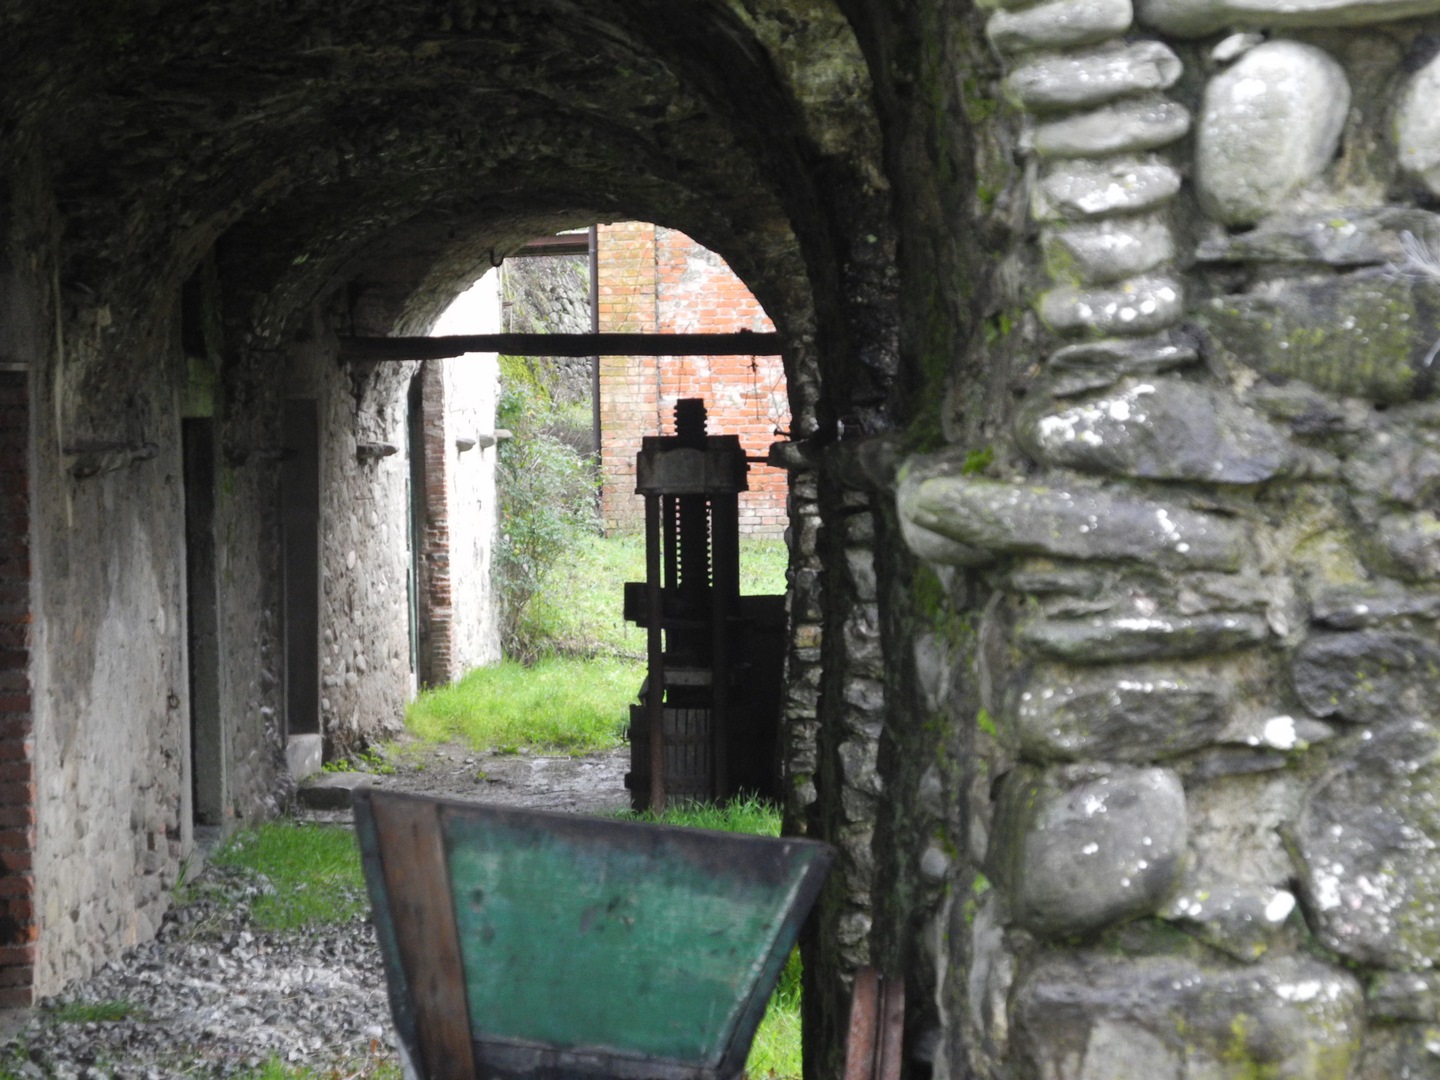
<point>525,944</point>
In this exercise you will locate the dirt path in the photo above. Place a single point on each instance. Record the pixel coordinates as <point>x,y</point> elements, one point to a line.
<point>594,784</point>
<point>584,785</point>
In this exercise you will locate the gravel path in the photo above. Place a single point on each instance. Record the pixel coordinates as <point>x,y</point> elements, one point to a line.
<point>213,996</point>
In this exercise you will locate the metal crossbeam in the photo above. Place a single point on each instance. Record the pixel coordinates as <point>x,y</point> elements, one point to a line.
<point>743,343</point>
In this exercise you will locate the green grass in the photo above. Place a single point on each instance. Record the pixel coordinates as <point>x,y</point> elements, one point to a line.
<point>89,1012</point>
<point>575,699</point>
<point>775,1053</point>
<point>314,869</point>
<point>747,815</point>
<point>558,704</point>
<point>374,1068</point>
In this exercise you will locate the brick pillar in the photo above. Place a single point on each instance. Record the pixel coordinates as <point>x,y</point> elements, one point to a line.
<point>438,615</point>
<point>18,929</point>
<point>628,384</point>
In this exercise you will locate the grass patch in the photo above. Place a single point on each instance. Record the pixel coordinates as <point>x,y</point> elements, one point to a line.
<point>373,1068</point>
<point>775,1053</point>
<point>90,1012</point>
<point>748,815</point>
<point>558,704</point>
<point>575,698</point>
<point>314,872</point>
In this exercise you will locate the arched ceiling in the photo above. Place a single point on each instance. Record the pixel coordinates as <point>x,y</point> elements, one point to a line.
<point>412,142</point>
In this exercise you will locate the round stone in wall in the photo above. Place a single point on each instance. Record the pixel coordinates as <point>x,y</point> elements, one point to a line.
<point>1269,125</point>
<point>1080,847</point>
<point>1417,126</point>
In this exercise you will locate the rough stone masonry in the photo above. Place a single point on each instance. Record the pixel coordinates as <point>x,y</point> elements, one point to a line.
<point>1111,334</point>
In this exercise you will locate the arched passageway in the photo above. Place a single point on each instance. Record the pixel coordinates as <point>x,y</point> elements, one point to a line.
<point>1109,331</point>
<point>222,197</point>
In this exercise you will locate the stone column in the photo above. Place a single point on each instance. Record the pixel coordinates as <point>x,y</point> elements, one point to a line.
<point>1209,844</point>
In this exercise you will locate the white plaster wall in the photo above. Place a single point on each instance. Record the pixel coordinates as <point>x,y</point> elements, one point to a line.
<point>471,387</point>
<point>365,664</point>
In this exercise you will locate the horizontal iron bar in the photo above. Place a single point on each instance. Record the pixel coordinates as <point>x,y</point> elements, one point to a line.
<point>563,244</point>
<point>432,348</point>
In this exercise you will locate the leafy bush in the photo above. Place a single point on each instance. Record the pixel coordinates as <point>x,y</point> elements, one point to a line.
<point>546,494</point>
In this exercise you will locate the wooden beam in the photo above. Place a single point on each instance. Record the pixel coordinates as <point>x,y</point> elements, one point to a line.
<point>743,343</point>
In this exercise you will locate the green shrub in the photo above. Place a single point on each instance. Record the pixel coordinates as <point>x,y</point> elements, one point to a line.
<point>546,497</point>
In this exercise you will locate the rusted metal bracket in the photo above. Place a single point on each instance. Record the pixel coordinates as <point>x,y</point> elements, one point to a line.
<point>877,1027</point>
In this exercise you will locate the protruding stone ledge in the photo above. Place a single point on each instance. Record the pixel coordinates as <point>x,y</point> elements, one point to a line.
<point>1112,639</point>
<point>1081,79</point>
<point>1365,334</point>
<point>1080,189</point>
<point>1126,127</point>
<point>1096,252</point>
<point>1162,429</point>
<point>1078,848</point>
<point>1357,607</point>
<point>1243,921</point>
<point>1134,714</point>
<point>1095,365</point>
<point>1059,24</point>
<point>1343,238</point>
<point>1287,1016</point>
<point>1197,18</point>
<point>973,520</point>
<point>1138,306</point>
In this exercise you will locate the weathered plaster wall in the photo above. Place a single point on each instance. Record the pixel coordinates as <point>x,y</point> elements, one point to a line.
<point>109,678</point>
<point>365,659</point>
<point>471,383</point>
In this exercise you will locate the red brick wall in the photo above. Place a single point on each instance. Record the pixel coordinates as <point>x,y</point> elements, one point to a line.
<point>18,929</point>
<point>437,609</point>
<point>629,385</point>
<point>654,279</point>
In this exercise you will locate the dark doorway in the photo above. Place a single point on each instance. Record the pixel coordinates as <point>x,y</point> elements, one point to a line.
<point>300,521</point>
<point>207,747</point>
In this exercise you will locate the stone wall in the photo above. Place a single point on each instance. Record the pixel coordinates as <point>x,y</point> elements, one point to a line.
<point>108,657</point>
<point>550,294</point>
<point>1201,564</point>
